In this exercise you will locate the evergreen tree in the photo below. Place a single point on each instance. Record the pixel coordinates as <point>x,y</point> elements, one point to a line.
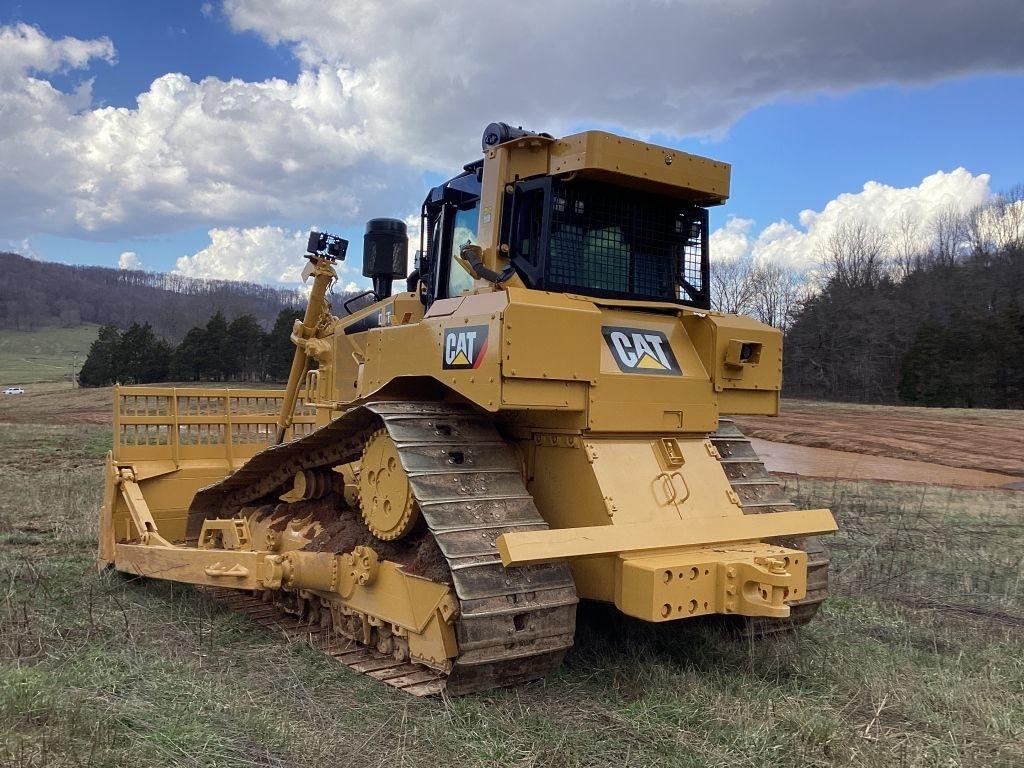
<point>925,376</point>
<point>216,349</point>
<point>244,352</point>
<point>187,359</point>
<point>141,357</point>
<point>99,367</point>
<point>279,346</point>
<point>156,362</point>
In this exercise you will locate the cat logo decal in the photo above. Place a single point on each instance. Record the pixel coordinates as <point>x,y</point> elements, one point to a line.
<point>464,347</point>
<point>637,350</point>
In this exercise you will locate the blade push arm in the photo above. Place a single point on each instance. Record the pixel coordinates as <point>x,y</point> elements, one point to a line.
<point>323,276</point>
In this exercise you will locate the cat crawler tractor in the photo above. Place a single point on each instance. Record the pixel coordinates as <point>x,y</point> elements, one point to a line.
<point>535,420</point>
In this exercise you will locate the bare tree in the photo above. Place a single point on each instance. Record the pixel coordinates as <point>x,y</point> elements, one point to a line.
<point>1007,225</point>
<point>777,293</point>
<point>768,292</point>
<point>732,289</point>
<point>950,236</point>
<point>907,245</point>
<point>854,255</point>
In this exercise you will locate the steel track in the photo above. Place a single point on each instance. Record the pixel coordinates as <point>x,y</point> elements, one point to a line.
<point>514,624</point>
<point>759,492</point>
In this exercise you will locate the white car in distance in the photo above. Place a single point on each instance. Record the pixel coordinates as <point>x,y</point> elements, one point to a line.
<point>14,391</point>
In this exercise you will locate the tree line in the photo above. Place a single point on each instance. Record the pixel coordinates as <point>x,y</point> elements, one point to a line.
<point>239,350</point>
<point>921,314</point>
<point>37,294</point>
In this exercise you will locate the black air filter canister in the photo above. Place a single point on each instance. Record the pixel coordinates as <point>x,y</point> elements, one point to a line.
<point>385,249</point>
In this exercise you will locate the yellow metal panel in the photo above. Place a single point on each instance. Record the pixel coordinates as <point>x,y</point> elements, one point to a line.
<point>641,402</point>
<point>416,351</point>
<point>741,387</point>
<point>530,547</point>
<point>645,165</point>
<point>548,336</point>
<point>543,394</point>
<point>637,488</point>
<point>739,401</point>
<point>405,600</point>
<point>679,407</point>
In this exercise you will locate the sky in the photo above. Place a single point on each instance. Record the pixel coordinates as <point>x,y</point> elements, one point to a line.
<point>208,137</point>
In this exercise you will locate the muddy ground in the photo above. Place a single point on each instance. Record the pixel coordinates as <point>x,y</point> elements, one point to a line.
<point>988,440</point>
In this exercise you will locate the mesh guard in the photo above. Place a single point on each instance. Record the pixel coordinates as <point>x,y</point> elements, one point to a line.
<point>611,241</point>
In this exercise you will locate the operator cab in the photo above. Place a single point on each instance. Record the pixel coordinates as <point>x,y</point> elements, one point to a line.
<point>450,218</point>
<point>569,233</point>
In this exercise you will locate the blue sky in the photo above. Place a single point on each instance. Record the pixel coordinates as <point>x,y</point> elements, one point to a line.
<point>794,145</point>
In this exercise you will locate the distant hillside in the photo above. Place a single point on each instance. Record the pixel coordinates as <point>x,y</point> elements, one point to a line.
<point>45,358</point>
<point>41,294</point>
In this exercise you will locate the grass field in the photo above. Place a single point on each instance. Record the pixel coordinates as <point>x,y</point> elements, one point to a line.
<point>43,359</point>
<point>917,660</point>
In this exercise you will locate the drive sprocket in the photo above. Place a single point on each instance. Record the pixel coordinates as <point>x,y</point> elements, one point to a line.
<point>385,497</point>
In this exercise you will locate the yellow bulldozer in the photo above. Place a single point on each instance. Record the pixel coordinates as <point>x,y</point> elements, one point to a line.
<point>534,420</point>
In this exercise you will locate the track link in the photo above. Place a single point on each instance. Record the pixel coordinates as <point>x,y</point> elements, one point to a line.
<point>515,624</point>
<point>414,679</point>
<point>759,492</point>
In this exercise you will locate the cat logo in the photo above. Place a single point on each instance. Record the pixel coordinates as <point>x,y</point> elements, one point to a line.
<point>637,350</point>
<point>464,347</point>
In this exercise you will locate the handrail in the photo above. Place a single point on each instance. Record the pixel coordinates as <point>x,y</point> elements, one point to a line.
<point>210,415</point>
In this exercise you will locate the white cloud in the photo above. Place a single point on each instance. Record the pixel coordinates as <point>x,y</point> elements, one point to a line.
<point>26,249</point>
<point>732,241</point>
<point>878,204</point>
<point>24,48</point>
<point>388,90</point>
<point>222,152</point>
<point>252,254</point>
<point>129,260</point>
<point>422,78</point>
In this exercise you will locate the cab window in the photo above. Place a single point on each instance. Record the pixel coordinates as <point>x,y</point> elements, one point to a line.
<point>464,229</point>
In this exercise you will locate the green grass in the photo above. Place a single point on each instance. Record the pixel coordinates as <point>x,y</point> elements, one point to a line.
<point>45,357</point>
<point>918,659</point>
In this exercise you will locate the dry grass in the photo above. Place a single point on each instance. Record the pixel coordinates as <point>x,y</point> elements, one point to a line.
<point>68,406</point>
<point>902,670</point>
